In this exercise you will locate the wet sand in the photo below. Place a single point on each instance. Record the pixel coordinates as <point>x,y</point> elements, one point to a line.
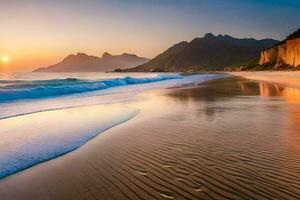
<point>288,78</point>
<point>226,139</point>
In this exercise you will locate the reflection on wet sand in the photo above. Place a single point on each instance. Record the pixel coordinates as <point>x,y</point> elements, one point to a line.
<point>292,97</point>
<point>230,88</point>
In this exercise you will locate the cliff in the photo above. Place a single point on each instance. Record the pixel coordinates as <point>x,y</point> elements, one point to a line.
<point>284,55</point>
<point>206,54</point>
<point>82,62</point>
<point>281,55</point>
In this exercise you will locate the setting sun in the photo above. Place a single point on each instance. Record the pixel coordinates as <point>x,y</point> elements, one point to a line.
<point>5,59</point>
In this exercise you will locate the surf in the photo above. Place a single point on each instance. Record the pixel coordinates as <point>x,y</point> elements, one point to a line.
<point>34,138</point>
<point>19,90</point>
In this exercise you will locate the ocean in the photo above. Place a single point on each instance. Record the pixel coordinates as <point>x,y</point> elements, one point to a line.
<point>35,92</point>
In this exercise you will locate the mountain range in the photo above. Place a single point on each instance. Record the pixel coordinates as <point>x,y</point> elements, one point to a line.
<point>207,53</point>
<point>82,62</point>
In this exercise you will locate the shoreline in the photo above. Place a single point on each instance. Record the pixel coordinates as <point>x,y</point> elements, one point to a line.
<point>27,118</point>
<point>177,150</point>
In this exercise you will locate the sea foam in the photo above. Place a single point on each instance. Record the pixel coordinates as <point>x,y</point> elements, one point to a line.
<point>34,138</point>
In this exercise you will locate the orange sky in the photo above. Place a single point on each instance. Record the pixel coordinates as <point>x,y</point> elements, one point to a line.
<point>37,33</point>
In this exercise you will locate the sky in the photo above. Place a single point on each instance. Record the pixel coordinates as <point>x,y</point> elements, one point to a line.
<point>38,33</point>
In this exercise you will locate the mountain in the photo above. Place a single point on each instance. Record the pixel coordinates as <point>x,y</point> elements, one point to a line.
<point>208,53</point>
<point>82,62</point>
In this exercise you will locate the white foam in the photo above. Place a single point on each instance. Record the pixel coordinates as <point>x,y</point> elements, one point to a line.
<point>34,138</point>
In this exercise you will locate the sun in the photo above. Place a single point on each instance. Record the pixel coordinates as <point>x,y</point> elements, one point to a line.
<point>5,59</point>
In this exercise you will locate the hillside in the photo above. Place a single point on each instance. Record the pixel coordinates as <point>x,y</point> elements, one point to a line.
<point>208,53</point>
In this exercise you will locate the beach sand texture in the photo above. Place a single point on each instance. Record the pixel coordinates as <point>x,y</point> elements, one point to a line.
<point>226,139</point>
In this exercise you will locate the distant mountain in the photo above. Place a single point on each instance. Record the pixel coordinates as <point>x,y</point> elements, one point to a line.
<point>208,53</point>
<point>82,62</point>
<point>283,56</point>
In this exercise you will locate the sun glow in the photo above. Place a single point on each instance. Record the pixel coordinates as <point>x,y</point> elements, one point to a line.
<point>5,59</point>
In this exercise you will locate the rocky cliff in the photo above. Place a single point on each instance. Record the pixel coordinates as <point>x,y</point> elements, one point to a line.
<point>285,54</point>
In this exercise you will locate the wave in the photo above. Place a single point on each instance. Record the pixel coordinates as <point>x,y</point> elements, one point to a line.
<point>18,90</point>
<point>25,150</point>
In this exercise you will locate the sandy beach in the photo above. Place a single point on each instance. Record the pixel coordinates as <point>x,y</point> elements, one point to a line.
<point>229,138</point>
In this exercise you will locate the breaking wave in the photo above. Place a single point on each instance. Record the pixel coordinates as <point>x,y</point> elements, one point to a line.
<point>18,90</point>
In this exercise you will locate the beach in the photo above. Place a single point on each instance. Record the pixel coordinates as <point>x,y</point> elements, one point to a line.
<point>150,100</point>
<point>229,138</point>
<point>287,78</point>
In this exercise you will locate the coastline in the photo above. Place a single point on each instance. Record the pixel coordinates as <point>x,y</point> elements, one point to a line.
<point>34,147</point>
<point>176,150</point>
